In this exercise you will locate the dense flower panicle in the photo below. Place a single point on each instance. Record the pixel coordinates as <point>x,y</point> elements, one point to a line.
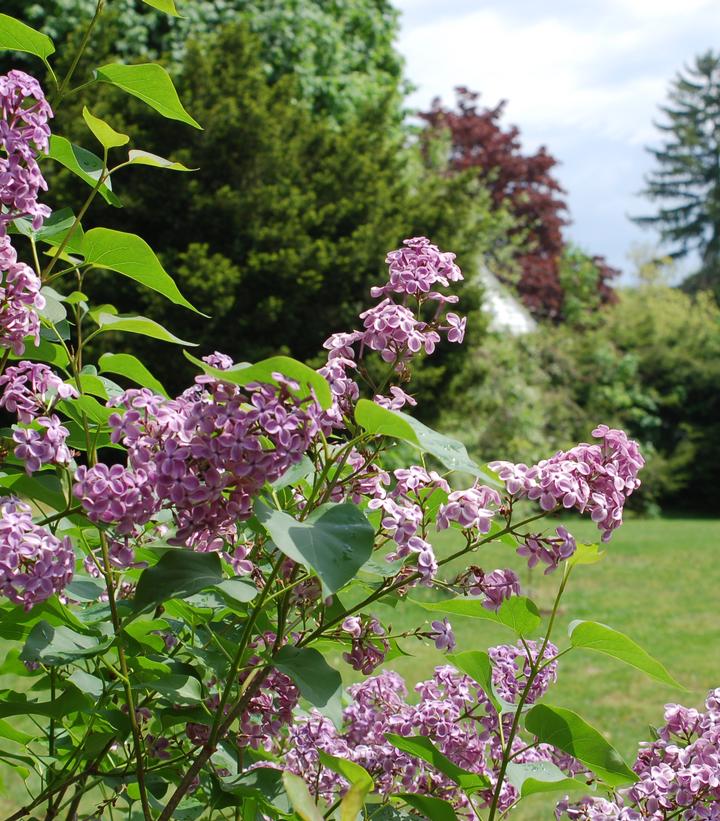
<point>394,332</point>
<point>452,711</point>
<point>417,267</point>
<point>24,131</point>
<point>115,495</point>
<point>42,447</point>
<point>401,521</point>
<point>30,389</point>
<point>20,301</point>
<point>207,453</point>
<point>597,478</point>
<point>472,508</point>
<point>679,773</point>
<point>392,329</point>
<point>34,563</point>
<point>497,586</point>
<point>512,666</point>
<point>413,480</point>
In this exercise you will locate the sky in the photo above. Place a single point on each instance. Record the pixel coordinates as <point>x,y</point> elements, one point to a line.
<point>582,77</point>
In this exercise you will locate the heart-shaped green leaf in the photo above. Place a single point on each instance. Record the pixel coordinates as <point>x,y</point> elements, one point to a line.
<point>334,542</point>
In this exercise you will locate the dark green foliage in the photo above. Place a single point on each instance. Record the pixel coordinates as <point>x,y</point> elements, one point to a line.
<point>285,226</point>
<point>686,179</point>
<point>651,367</point>
<point>341,51</point>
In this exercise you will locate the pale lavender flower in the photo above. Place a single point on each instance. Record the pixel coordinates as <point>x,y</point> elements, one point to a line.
<point>443,636</point>
<point>44,446</point>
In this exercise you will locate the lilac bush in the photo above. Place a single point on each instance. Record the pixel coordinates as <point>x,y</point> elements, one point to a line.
<point>183,576</point>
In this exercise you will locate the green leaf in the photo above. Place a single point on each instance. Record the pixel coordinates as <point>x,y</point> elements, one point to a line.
<point>360,784</point>
<point>244,374</point>
<point>87,405</point>
<point>423,748</point>
<point>138,325</point>
<point>334,541</point>
<point>294,473</point>
<point>177,688</point>
<point>318,682</point>
<point>84,164</point>
<point>586,554</point>
<point>87,683</point>
<point>46,351</point>
<point>477,665</point>
<point>60,645</point>
<point>591,635</point>
<point>432,808</point>
<point>518,613</point>
<point>124,364</point>
<point>87,589</point>
<point>179,573</point>
<point>106,134</point>
<point>541,776</point>
<point>70,701</point>
<point>45,489</point>
<point>54,311</point>
<point>130,255</point>
<point>570,733</point>
<point>168,6</point>
<point>302,802</point>
<point>136,157</point>
<point>237,591</point>
<point>384,422</point>
<point>150,83</point>
<point>13,734</point>
<point>16,36</point>
<point>146,632</point>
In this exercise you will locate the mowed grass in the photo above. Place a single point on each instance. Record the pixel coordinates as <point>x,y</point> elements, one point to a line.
<point>659,583</point>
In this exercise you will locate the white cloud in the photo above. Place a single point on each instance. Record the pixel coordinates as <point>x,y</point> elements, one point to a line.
<point>573,74</point>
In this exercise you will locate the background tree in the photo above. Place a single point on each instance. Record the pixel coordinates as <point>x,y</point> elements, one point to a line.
<point>284,226</point>
<point>686,179</point>
<point>524,184</point>
<point>341,52</point>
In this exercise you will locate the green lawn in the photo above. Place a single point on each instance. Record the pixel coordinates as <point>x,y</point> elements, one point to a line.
<point>658,583</point>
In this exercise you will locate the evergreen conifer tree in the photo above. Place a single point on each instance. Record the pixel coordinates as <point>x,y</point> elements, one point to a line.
<point>685,181</point>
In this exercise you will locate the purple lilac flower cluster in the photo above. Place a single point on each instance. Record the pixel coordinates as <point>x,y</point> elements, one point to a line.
<point>496,586</point>
<point>204,455</point>
<point>34,564</point>
<point>30,389</point>
<point>403,516</point>
<point>24,132</point>
<point>472,509</point>
<point>43,446</point>
<point>597,478</point>
<point>115,495</point>
<point>452,710</point>
<point>271,709</point>
<point>391,328</point>
<point>512,667</point>
<point>679,773</point>
<point>369,645</point>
